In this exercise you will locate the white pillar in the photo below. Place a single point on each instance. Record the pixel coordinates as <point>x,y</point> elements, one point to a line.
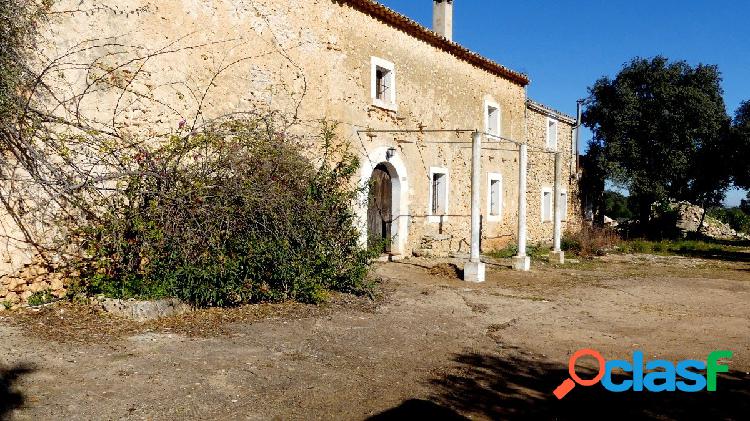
<point>476,179</point>
<point>474,270</point>
<point>556,255</point>
<point>522,262</point>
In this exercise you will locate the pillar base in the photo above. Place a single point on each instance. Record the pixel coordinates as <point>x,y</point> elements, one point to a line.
<point>522,263</point>
<point>474,272</point>
<point>557,257</point>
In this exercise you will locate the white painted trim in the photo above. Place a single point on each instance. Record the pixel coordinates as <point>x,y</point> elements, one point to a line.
<point>489,103</point>
<point>551,192</point>
<point>434,219</point>
<point>490,178</point>
<point>565,208</point>
<point>376,62</point>
<point>557,135</point>
<point>400,191</point>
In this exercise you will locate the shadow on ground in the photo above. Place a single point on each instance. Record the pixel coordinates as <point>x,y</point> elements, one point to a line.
<point>737,243</point>
<point>717,249</point>
<point>521,388</point>
<point>718,254</point>
<point>10,397</point>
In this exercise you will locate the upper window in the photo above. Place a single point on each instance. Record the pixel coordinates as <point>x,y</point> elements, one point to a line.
<point>438,205</point>
<point>495,197</point>
<point>551,134</point>
<point>492,118</point>
<point>547,205</point>
<point>383,84</point>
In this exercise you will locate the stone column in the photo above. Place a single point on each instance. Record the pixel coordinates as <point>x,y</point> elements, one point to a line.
<point>557,256</point>
<point>474,271</point>
<point>522,262</point>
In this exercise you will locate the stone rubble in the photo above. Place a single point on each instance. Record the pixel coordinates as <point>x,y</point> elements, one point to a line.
<point>689,219</point>
<point>142,311</point>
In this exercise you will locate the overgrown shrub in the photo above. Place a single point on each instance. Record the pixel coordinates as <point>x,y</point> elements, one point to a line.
<point>737,219</point>
<point>590,241</point>
<point>505,253</point>
<point>232,214</point>
<point>676,247</point>
<point>532,250</point>
<point>40,298</point>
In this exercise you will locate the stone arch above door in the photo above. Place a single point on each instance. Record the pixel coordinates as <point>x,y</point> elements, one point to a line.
<point>393,162</point>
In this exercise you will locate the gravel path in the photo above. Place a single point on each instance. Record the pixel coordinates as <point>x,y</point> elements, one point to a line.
<point>430,345</point>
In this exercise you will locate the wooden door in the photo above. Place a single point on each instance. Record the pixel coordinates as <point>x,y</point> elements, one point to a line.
<point>379,211</point>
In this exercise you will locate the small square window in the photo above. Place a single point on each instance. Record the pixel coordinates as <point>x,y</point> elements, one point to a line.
<point>439,189</point>
<point>551,134</point>
<point>383,84</point>
<point>492,118</point>
<point>547,206</point>
<point>495,197</point>
<point>564,206</point>
<point>437,208</point>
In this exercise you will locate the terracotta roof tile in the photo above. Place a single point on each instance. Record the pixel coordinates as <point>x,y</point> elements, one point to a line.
<point>539,107</point>
<point>397,20</point>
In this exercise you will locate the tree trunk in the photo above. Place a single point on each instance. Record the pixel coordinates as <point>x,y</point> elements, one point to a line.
<point>703,219</point>
<point>644,216</point>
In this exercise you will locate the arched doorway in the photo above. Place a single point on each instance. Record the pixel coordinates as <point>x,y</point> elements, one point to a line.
<point>390,166</point>
<point>380,209</point>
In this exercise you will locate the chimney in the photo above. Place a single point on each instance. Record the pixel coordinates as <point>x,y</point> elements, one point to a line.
<point>442,18</point>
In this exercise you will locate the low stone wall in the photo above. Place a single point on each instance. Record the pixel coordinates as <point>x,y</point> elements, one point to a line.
<point>15,289</point>
<point>142,311</point>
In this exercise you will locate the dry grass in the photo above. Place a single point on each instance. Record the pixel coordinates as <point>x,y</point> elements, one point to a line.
<point>67,322</point>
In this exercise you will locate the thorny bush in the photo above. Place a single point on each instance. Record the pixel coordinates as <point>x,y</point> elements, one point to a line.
<point>230,215</point>
<point>591,241</point>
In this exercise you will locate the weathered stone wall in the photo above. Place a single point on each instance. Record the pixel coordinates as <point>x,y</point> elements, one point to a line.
<point>32,278</point>
<point>147,65</point>
<point>542,176</point>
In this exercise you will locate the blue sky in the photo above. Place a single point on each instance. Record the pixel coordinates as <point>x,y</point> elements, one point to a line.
<point>565,45</point>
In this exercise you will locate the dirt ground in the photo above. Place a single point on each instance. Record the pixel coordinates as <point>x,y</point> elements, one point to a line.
<point>428,347</point>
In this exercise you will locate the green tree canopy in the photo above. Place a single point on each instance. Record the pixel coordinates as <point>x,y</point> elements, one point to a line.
<point>617,205</point>
<point>662,127</point>
<point>741,131</point>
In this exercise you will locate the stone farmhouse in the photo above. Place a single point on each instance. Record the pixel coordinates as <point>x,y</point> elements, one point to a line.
<point>408,99</point>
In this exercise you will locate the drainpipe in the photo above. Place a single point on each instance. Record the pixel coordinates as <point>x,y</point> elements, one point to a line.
<point>579,118</point>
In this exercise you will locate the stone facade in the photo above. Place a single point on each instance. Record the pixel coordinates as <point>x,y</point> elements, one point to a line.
<point>155,63</point>
<point>541,171</point>
<point>34,277</point>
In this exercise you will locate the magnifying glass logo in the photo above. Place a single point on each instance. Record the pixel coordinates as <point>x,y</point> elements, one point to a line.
<point>570,383</point>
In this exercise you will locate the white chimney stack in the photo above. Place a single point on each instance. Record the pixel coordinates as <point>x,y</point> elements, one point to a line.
<point>442,18</point>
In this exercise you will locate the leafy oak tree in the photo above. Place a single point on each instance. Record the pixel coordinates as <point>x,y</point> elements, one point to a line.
<point>662,128</point>
<point>741,134</point>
